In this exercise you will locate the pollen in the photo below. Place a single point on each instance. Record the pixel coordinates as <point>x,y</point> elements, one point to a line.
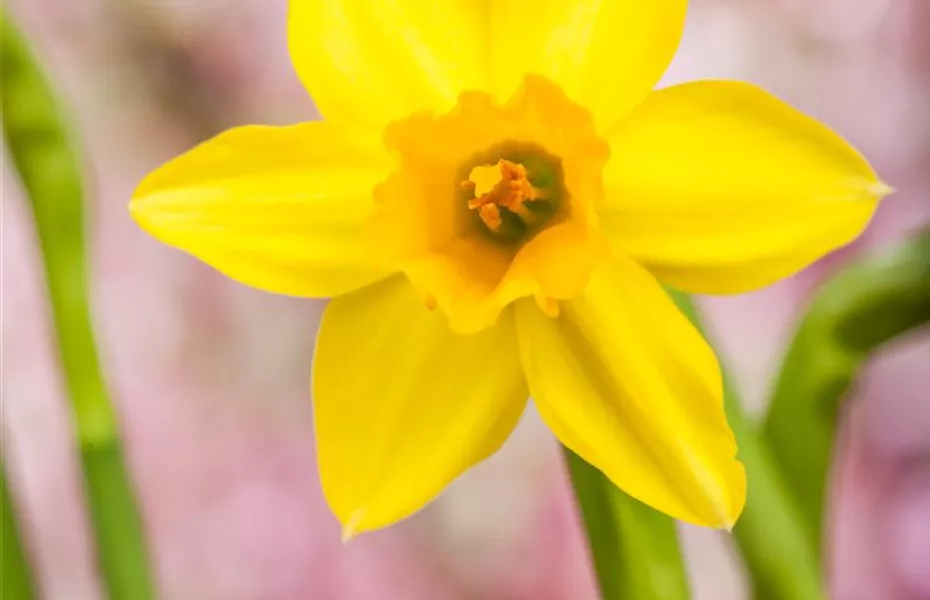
<point>501,186</point>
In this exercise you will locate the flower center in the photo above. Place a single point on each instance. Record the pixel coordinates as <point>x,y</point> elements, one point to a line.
<point>503,186</point>
<point>515,196</point>
<point>493,202</point>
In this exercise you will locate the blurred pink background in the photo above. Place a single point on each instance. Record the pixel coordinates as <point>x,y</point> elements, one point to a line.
<point>211,378</point>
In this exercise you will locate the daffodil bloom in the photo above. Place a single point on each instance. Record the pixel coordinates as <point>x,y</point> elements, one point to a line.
<point>493,198</point>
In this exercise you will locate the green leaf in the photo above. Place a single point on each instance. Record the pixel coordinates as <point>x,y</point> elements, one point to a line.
<point>634,548</point>
<point>48,167</point>
<point>15,573</point>
<point>867,304</point>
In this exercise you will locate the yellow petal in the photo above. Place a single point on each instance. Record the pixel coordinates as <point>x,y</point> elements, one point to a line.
<point>277,208</point>
<point>402,405</point>
<point>375,61</point>
<point>718,187</point>
<point>626,382</point>
<point>606,55</point>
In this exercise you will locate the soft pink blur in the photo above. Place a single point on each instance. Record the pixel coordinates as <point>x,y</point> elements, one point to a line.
<point>211,377</point>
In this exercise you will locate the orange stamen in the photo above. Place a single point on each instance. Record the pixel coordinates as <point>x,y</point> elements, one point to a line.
<point>509,189</point>
<point>491,215</point>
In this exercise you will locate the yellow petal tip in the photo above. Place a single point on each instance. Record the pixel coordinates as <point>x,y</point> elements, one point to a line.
<point>726,522</point>
<point>135,209</point>
<point>351,529</point>
<point>142,211</point>
<point>882,189</point>
<point>550,306</point>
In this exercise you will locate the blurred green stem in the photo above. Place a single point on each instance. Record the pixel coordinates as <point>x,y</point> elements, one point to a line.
<point>634,548</point>
<point>16,580</point>
<point>782,563</point>
<point>48,167</point>
<point>865,305</point>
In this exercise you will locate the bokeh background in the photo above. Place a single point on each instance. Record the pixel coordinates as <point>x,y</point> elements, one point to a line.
<point>211,378</point>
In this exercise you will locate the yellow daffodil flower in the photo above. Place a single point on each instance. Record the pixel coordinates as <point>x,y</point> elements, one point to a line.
<point>492,199</point>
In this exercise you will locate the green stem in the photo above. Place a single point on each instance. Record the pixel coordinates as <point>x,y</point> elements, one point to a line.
<point>121,550</point>
<point>48,167</point>
<point>780,558</point>
<point>782,563</point>
<point>854,313</point>
<point>16,580</point>
<point>634,548</point>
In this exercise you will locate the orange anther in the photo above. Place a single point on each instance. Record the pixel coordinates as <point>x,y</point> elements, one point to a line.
<point>491,215</point>
<point>508,188</point>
